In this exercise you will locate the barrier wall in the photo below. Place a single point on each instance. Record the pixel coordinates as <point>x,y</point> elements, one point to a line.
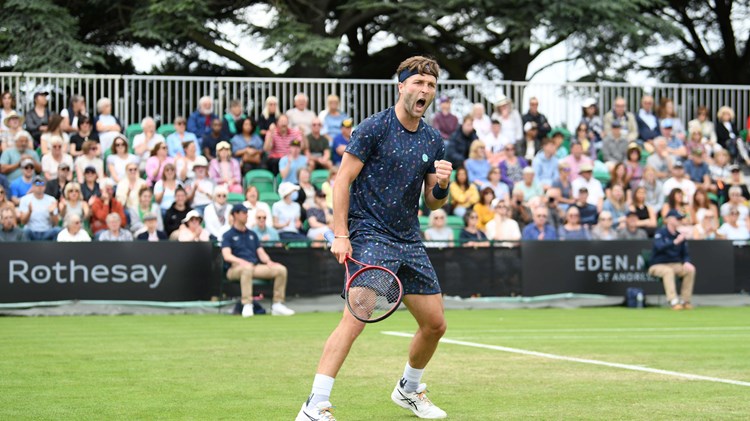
<point>168,271</point>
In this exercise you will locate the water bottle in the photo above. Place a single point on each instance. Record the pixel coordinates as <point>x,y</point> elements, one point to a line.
<point>639,300</point>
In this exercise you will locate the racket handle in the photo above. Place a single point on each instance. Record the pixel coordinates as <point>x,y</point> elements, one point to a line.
<point>329,237</point>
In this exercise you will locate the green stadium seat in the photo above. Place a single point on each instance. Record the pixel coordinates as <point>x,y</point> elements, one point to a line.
<point>424,222</point>
<point>269,197</point>
<point>165,129</point>
<point>318,177</point>
<point>454,222</point>
<point>235,198</point>
<point>262,179</point>
<point>131,131</point>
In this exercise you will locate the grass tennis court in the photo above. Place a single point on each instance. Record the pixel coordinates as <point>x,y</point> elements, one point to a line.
<point>207,367</point>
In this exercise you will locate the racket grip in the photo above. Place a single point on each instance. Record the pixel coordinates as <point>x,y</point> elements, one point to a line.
<point>329,237</point>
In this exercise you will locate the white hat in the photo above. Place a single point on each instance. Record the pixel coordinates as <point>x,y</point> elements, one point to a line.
<point>588,102</point>
<point>190,215</point>
<point>221,188</point>
<point>528,170</point>
<point>496,201</point>
<point>200,161</point>
<point>502,100</point>
<point>529,125</point>
<point>286,188</point>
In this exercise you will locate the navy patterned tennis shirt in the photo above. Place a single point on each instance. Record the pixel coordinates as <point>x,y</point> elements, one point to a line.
<point>384,198</point>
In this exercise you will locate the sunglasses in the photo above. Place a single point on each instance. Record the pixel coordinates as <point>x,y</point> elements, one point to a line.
<point>734,213</point>
<point>39,183</point>
<point>76,222</point>
<point>119,144</point>
<point>28,167</point>
<point>74,191</point>
<point>179,124</point>
<point>541,216</point>
<point>65,169</point>
<point>132,169</point>
<point>260,217</point>
<point>439,217</point>
<point>221,195</point>
<point>56,146</point>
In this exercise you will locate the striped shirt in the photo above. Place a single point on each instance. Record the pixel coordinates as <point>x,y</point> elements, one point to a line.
<point>281,142</point>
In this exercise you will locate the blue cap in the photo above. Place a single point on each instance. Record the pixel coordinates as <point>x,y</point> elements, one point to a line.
<point>675,213</point>
<point>667,123</point>
<point>239,208</point>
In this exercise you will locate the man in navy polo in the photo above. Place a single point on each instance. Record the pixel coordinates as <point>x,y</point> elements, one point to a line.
<point>670,258</point>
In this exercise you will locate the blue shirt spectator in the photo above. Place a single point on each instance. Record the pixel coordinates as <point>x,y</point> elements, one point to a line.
<point>174,143</point>
<point>695,168</point>
<point>338,141</point>
<point>19,187</point>
<point>477,170</point>
<point>267,234</point>
<point>244,244</point>
<point>539,229</point>
<point>332,124</point>
<point>545,164</point>
<point>589,213</point>
<point>296,164</point>
<point>239,143</point>
<point>199,122</point>
<point>665,250</point>
<point>14,156</point>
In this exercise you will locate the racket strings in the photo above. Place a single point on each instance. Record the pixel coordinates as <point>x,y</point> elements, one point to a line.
<point>372,294</point>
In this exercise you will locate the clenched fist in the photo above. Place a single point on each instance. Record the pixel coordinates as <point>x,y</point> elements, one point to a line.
<point>443,170</point>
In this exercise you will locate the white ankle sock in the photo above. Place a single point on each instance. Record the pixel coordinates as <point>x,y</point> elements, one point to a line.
<point>321,390</point>
<point>412,376</point>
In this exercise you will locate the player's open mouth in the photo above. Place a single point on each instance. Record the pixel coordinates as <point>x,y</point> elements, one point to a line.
<point>421,103</point>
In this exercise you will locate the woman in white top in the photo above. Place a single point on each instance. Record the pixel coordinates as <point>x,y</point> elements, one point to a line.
<point>52,160</point>
<point>502,227</point>
<point>72,203</point>
<point>144,142</point>
<point>510,120</point>
<point>77,108</point>
<point>8,106</point>
<point>165,188</point>
<point>143,208</point>
<point>129,186</point>
<point>732,229</point>
<point>438,234</point>
<point>54,129</point>
<point>667,110</point>
<point>73,232</point>
<point>119,158</point>
<point>253,206</point>
<point>703,124</point>
<point>13,124</point>
<point>89,158</point>
<point>481,123</point>
<point>106,124</point>
<point>217,215</point>
<point>185,164</point>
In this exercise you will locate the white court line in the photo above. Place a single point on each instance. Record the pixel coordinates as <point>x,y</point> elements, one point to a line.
<point>616,329</point>
<point>581,360</point>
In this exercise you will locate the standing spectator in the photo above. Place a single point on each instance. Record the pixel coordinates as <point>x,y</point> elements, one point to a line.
<point>212,138</point>
<point>648,123</point>
<point>679,180</point>
<point>633,165</point>
<point>617,205</point>
<point>540,229</point>
<point>576,160</point>
<point>107,125</point>
<point>10,232</point>
<point>22,185</point>
<point>645,212</point>
<point>604,229</point>
<point>502,227</point>
<point>529,146</point>
<point>706,228</point>
<point>457,149</point>
<point>731,229</point>
<point>477,166</point>
<point>332,117</point>
<point>10,161</point>
<point>37,118</point>
<point>627,120</point>
<point>54,158</point>
<point>85,133</point>
<point>199,122</point>
<point>545,164</point>
<point>181,135</point>
<point>463,194</point>
<point>438,234</point>
<point>471,235</point>
<point>511,169</point>
<point>247,146</point>
<point>573,229</point>
<point>265,232</point>
<point>287,214</point>
<point>90,185</point>
<point>165,189</point>
<point>320,218</point>
<point>593,186</point>
<point>495,144</point>
<point>318,147</point>
<point>590,117</point>
<point>280,137</point>
<point>144,207</point>
<point>184,164</point>
<point>631,230</point>
<point>115,230</point>
<point>245,260</point>
<point>509,119</point>
<point>697,169</point>
<point>564,185</point>
<point>480,121</point>
<point>71,116</point>
<point>104,205</point>
<point>129,187</point>
<point>341,141</point>
<point>615,146</point>
<point>176,213</point>
<point>217,214</point>
<point>8,104</point>
<point>667,110</point>
<point>660,160</point>
<point>201,187</point>
<point>252,205</point>
<point>483,209</point>
<point>589,213</point>
<point>55,187</point>
<point>73,231</point>
<point>224,169</point>
<point>499,188</point>
<point>231,124</point>
<point>12,124</point>
<point>300,117</point>
<point>144,142</point>
<point>190,230</point>
<point>38,212</point>
<point>72,202</point>
<point>444,121</point>
<point>704,125</point>
<point>151,231</point>
<point>268,116</point>
<point>534,116</point>
<point>670,258</point>
<point>89,159</point>
<point>157,162</point>
<point>531,189</point>
<point>290,164</point>
<point>120,158</point>
<point>727,134</point>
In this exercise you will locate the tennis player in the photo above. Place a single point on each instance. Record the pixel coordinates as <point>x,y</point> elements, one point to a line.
<point>390,156</point>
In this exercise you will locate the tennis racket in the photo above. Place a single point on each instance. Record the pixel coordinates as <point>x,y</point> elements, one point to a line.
<point>372,293</point>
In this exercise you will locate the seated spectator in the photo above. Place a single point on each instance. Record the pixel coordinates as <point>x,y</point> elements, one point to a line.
<point>556,212</point>
<point>180,136</point>
<point>52,160</point>
<point>13,123</point>
<point>618,176</point>
<point>280,137</point>
<point>72,115</point>
<point>10,161</point>
<point>499,188</point>
<point>212,138</point>
<point>119,158</point>
<point>617,205</point>
<point>73,231</point>
<point>604,229</point>
<point>184,164</point>
<point>590,117</point>
<point>225,170</point>
<point>145,142</point>
<point>22,185</point>
<point>457,149</point>
<point>539,119</point>
<point>265,232</point>
<point>151,231</point>
<point>252,205</point>
<point>576,160</point>
<point>463,195</point>
<point>519,211</point>
<point>530,145</point>
<point>84,134</point>
<point>631,230</point>
<point>8,106</point>
<point>615,146</point>
<point>675,147</point>
<point>340,141</point>
<point>540,229</point>
<point>670,258</point>
<point>247,146</point>
<point>695,141</point>
<point>156,163</point>
<point>471,235</point>
<point>666,111</point>
<point>563,184</point>
<point>697,169</point>
<point>245,260</point>
<point>511,169</point>
<point>736,179</point>
<point>546,164</point>
<point>332,117</point>
<point>143,208</point>
<point>105,205</point>
<point>37,118</point>
<point>679,180</point>
<point>480,121</point>
<point>727,133</point>
<point>287,214</point>
<point>4,201</point>
<point>268,116</point>
<point>510,119</point>
<point>291,163</point>
<point>307,191</point>
<point>483,208</point>
<point>648,122</point>
<point>633,166</point>
<point>89,158</point>
<point>115,230</point>
<point>217,214</point>
<point>53,131</point>
<point>320,218</point>
<point>327,186</point>
<point>502,227</point>
<point>130,185</point>
<point>73,203</point>
<point>477,165</point>
<point>676,202</point>
<point>731,229</point>
<point>558,136</point>
<point>10,232</point>
<point>720,170</point>
<point>704,125</point>
<point>589,213</point>
<point>701,205</point>
<point>706,228</point>
<point>572,229</point>
<point>585,138</point>
<point>191,230</point>
<point>645,212</point>
<point>495,144</point>
<point>38,213</point>
<point>90,185</point>
<point>231,126</point>
<point>199,122</point>
<point>593,186</point>
<point>438,234</point>
<point>318,147</point>
<point>736,201</point>
<point>531,189</point>
<point>653,186</point>
<point>200,187</point>
<point>300,117</point>
<point>107,125</point>
<point>166,188</point>
<point>445,121</point>
<point>177,211</point>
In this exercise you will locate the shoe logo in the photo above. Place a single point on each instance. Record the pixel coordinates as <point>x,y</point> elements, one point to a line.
<point>408,400</point>
<point>402,382</point>
<point>309,399</point>
<point>310,417</point>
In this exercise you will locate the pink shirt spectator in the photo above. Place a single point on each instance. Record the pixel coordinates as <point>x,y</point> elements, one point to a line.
<point>154,169</point>
<point>575,165</point>
<point>281,142</point>
<point>220,171</point>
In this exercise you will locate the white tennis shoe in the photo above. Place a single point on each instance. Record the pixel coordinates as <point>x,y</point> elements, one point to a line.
<point>279,309</point>
<point>417,402</point>
<point>321,412</point>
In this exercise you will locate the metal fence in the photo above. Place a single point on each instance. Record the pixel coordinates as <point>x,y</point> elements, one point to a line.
<point>166,97</point>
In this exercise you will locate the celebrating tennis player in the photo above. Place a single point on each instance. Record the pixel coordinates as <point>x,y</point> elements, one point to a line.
<point>389,157</point>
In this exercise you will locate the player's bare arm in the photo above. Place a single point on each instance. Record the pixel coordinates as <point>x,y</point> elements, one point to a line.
<point>348,171</point>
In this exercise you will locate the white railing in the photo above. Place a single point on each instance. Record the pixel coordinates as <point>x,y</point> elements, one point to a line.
<point>165,97</point>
